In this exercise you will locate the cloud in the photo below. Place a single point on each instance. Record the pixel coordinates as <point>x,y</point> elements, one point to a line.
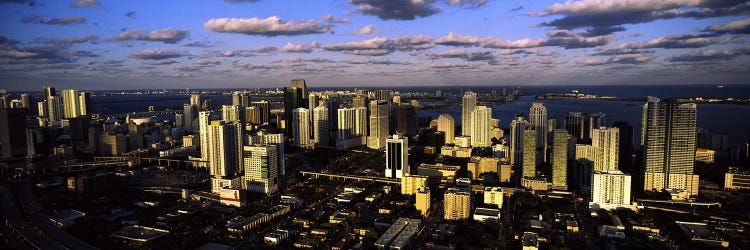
<point>520,7</point>
<point>448,65</point>
<point>412,43</point>
<point>205,62</point>
<point>330,18</point>
<point>296,48</point>
<point>452,39</point>
<point>604,14</point>
<point>272,26</point>
<point>82,53</point>
<point>264,49</point>
<point>200,44</point>
<point>515,44</point>
<point>85,3</point>
<point>377,43</point>
<point>619,59</point>
<point>366,30</point>
<point>696,40</point>
<point>710,55</point>
<point>736,27</point>
<point>157,54</point>
<point>463,54</point>
<point>407,9</point>
<point>376,62</point>
<point>131,14</point>
<point>576,42</point>
<point>163,62</point>
<point>67,41</point>
<point>241,1</point>
<point>232,53</point>
<point>54,21</point>
<point>166,35</point>
<point>372,52</point>
<point>35,55</point>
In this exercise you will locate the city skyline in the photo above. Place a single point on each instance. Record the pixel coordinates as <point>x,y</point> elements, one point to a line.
<point>102,45</point>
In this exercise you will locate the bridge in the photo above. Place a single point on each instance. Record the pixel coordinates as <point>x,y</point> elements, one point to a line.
<point>197,164</point>
<point>691,203</point>
<point>351,177</point>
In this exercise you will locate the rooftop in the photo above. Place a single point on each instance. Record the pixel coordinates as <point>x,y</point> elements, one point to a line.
<point>139,233</point>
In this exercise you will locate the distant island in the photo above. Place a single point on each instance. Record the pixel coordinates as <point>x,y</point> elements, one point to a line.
<point>572,95</point>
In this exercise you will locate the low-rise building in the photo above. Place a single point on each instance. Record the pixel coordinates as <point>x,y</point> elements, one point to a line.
<point>486,215</point>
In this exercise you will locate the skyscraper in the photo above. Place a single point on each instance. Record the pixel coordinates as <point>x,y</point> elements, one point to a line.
<point>320,126</point>
<point>625,145</point>
<point>457,204</point>
<point>529,153</point>
<point>188,114</point>
<point>253,115</point>
<point>559,159</point>
<point>607,142</point>
<point>480,126</point>
<point>596,120</point>
<point>12,133</point>
<point>301,127</point>
<point>423,201</point>
<point>261,168</point>
<point>25,101</point>
<point>265,110</point>
<point>302,85</point>
<point>312,101</point>
<point>610,190</point>
<point>292,100</point>
<point>233,113</point>
<point>397,157</point>
<point>575,123</point>
<point>54,108</point>
<point>378,124</point>
<point>669,147</point>
<point>204,121</point>
<point>406,119</point>
<point>538,120</point>
<point>517,128</point>
<point>70,103</point>
<point>49,92</point>
<point>195,100</point>
<point>224,149</point>
<point>469,100</point>
<point>447,125</point>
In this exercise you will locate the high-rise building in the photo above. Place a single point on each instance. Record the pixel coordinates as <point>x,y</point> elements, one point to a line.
<point>195,100</point>
<point>236,99</point>
<point>265,110</point>
<point>493,196</point>
<point>625,144</point>
<point>379,113</point>
<point>312,101</point>
<point>292,100</point>
<point>204,121</point>
<point>261,168</point>
<point>351,130</point>
<point>669,147</point>
<point>233,113</point>
<point>447,125</point>
<point>406,119</point>
<point>49,92</point>
<point>538,120</point>
<point>469,100</point>
<point>596,120</point>
<point>359,101</point>
<point>301,127</point>
<point>559,159</point>
<point>410,183</point>
<point>25,101</point>
<point>423,201</point>
<point>12,133</point>
<point>302,85</point>
<point>253,115</point>
<point>188,114</point>
<point>480,126</point>
<point>610,190</point>
<point>54,108</point>
<point>517,128</point>
<point>224,149</point>
<point>70,103</point>
<point>457,204</point>
<point>320,125</point>
<point>529,162</point>
<point>576,124</point>
<point>607,142</point>
<point>397,157</point>
<point>279,141</point>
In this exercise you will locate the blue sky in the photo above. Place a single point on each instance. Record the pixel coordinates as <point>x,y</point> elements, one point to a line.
<point>100,44</point>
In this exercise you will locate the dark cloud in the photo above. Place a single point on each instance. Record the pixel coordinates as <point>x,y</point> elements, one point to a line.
<point>67,41</point>
<point>82,53</point>
<point>30,3</point>
<point>375,62</point>
<point>166,35</point>
<point>463,54</point>
<point>736,27</point>
<point>265,49</point>
<point>54,21</point>
<point>163,62</point>
<point>619,59</point>
<point>241,1</point>
<point>272,26</point>
<point>380,46</point>
<point>695,40</point>
<point>407,9</point>
<point>571,40</point>
<point>520,7</point>
<point>157,54</point>
<point>710,55</point>
<point>36,55</point>
<point>200,44</point>
<point>131,14</point>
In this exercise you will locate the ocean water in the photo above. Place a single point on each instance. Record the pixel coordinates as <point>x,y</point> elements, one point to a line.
<point>730,118</point>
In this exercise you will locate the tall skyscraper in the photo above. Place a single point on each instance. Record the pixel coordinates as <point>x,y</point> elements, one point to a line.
<point>312,101</point>
<point>253,115</point>
<point>596,120</point>
<point>188,114</point>
<point>669,147</point>
<point>457,204</point>
<point>559,159</point>
<point>320,126</point>
<point>70,103</point>
<point>406,119</point>
<point>12,133</point>
<point>204,121</point>
<point>423,201</point>
<point>236,99</point>
<point>224,149</point>
<point>625,153</point>
<point>261,168</point>
<point>265,110</point>
<point>517,128</point>
<point>575,123</point>
<point>301,127</point>
<point>607,142</point>
<point>195,100</point>
<point>292,100</point>
<point>49,92</point>
<point>233,113</point>
<point>447,125</point>
<point>379,113</point>
<point>529,153</point>
<point>610,190</point>
<point>279,141</point>
<point>538,120</point>
<point>469,100</point>
<point>54,108</point>
<point>480,126</point>
<point>26,101</point>
<point>397,157</point>
<point>302,85</point>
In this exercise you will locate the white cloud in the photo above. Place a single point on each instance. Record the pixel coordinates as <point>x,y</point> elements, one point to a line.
<point>296,48</point>
<point>366,30</point>
<point>272,26</point>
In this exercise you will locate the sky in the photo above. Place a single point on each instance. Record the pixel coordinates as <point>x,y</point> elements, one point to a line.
<point>165,44</point>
